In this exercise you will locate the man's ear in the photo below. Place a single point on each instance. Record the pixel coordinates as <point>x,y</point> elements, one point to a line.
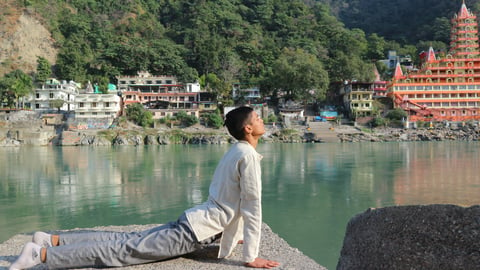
<point>248,129</point>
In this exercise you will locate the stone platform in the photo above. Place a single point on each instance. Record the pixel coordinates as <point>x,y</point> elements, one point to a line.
<point>272,247</point>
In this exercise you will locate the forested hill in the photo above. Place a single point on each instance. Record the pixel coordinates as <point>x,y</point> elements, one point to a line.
<point>406,21</point>
<point>292,45</point>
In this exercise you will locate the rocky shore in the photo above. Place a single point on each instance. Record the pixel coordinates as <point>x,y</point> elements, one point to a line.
<point>19,136</point>
<point>29,130</point>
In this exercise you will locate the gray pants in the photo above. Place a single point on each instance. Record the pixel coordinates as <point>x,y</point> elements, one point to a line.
<point>119,248</point>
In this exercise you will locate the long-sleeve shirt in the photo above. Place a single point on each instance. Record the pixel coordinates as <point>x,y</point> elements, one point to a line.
<point>234,204</point>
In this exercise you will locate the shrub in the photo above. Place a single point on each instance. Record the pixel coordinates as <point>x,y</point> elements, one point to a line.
<point>139,115</point>
<point>213,120</point>
<point>378,121</point>
<point>185,119</point>
<point>397,114</point>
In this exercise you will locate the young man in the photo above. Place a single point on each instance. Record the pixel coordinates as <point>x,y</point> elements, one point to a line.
<point>232,212</point>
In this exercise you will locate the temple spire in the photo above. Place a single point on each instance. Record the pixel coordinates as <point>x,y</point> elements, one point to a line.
<point>431,55</point>
<point>398,71</point>
<point>463,11</point>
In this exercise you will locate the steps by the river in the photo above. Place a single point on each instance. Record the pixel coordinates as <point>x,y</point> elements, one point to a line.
<point>323,132</point>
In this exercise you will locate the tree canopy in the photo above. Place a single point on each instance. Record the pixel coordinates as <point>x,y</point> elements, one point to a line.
<point>235,40</point>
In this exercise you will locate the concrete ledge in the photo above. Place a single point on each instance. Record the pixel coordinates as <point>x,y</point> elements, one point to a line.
<point>272,247</point>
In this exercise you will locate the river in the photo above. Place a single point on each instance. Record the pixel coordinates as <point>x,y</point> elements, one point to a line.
<point>310,191</point>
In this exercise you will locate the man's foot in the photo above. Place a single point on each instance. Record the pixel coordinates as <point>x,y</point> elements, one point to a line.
<point>29,257</point>
<point>42,239</point>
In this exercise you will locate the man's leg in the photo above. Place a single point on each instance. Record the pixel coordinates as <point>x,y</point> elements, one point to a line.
<point>167,241</point>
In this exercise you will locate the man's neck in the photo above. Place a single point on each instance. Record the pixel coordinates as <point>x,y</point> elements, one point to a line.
<point>252,140</point>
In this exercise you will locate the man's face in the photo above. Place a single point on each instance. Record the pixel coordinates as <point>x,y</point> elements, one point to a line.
<point>256,123</point>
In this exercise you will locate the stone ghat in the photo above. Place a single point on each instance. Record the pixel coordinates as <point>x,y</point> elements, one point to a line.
<point>272,247</point>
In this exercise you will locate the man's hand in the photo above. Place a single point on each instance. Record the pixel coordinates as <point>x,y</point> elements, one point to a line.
<point>262,263</point>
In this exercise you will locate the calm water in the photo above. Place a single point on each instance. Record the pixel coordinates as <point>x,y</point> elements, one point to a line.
<point>310,190</point>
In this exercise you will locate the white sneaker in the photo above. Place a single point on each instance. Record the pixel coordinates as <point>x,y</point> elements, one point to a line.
<point>29,257</point>
<point>42,239</point>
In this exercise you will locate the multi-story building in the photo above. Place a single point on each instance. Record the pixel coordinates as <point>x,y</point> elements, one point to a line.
<point>246,92</point>
<point>97,106</point>
<point>447,88</point>
<point>358,98</point>
<point>53,91</point>
<point>158,91</point>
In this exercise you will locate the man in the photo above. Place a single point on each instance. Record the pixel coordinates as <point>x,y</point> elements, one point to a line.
<point>232,212</point>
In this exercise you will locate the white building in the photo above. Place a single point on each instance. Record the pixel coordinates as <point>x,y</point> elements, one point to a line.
<point>248,92</point>
<point>53,90</point>
<point>97,105</point>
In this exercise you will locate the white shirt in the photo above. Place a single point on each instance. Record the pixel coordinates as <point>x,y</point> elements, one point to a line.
<point>234,205</point>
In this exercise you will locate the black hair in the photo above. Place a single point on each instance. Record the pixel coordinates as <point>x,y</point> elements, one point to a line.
<point>235,121</point>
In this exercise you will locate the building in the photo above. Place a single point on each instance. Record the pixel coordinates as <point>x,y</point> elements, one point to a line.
<point>146,88</point>
<point>53,91</point>
<point>97,106</point>
<point>358,97</point>
<point>163,95</point>
<point>448,88</point>
<point>246,91</point>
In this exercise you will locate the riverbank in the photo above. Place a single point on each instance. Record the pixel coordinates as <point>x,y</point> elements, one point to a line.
<point>27,130</point>
<point>272,247</point>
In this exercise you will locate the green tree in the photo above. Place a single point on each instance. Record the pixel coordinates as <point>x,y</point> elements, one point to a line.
<point>139,115</point>
<point>185,119</point>
<point>44,70</point>
<point>396,114</point>
<point>57,104</point>
<point>213,120</point>
<point>300,74</point>
<point>18,85</point>
<point>376,47</point>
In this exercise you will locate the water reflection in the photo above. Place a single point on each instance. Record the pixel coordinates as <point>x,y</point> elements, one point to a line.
<point>310,190</point>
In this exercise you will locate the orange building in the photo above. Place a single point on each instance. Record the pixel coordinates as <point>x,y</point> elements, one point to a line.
<point>446,88</point>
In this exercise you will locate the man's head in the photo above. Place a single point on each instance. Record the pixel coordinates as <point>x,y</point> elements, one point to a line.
<point>242,121</point>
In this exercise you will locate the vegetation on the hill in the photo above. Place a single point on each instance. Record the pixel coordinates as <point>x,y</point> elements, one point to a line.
<point>233,40</point>
<point>295,47</point>
<point>406,22</point>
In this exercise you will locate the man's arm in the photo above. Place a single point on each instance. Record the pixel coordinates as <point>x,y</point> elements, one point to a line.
<point>251,210</point>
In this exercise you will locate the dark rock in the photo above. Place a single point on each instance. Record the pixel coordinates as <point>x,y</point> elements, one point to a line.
<point>413,237</point>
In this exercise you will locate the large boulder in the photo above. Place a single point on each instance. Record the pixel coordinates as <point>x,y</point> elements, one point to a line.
<point>413,237</point>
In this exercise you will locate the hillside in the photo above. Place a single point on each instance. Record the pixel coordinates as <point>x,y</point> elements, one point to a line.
<point>406,21</point>
<point>222,41</point>
<point>22,39</point>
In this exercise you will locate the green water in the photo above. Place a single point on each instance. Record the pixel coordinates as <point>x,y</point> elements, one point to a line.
<point>310,191</point>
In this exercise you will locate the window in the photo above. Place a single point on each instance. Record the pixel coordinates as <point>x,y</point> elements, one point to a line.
<point>37,106</point>
<point>51,95</point>
<point>94,104</point>
<point>168,81</point>
<point>37,95</point>
<point>107,104</point>
<point>81,105</point>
